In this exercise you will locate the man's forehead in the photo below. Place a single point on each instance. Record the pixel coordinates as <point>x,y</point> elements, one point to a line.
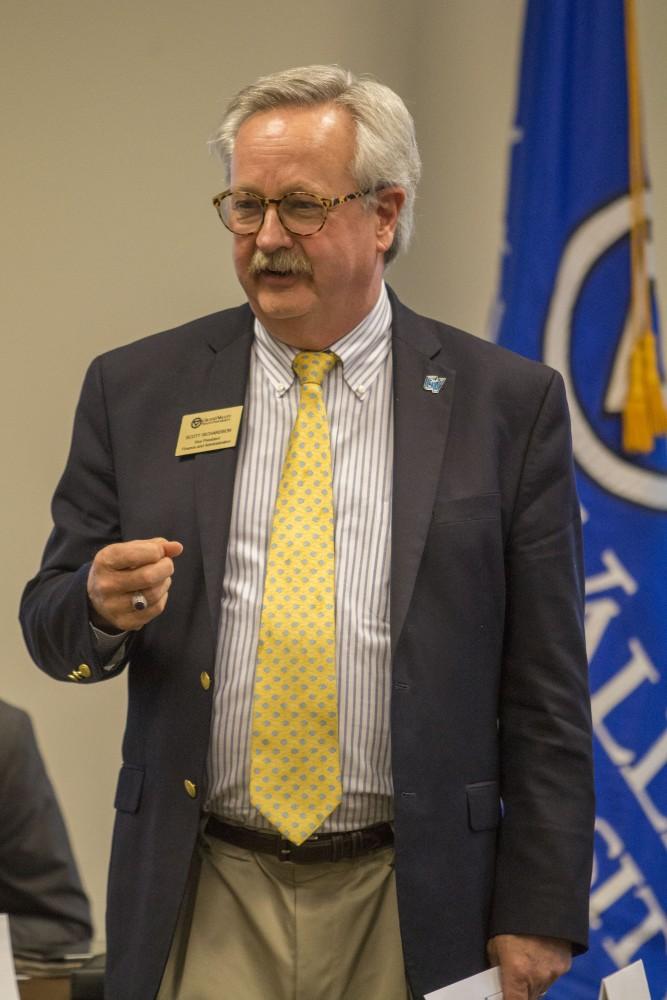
<point>316,125</point>
<point>276,122</point>
<point>297,141</point>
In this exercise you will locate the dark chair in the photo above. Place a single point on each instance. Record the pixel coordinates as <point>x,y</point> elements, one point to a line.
<point>88,981</point>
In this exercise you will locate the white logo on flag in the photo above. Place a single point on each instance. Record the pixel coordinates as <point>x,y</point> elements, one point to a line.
<point>610,470</point>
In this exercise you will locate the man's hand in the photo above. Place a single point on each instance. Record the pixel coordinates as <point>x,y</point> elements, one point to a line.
<point>126,568</point>
<point>528,965</point>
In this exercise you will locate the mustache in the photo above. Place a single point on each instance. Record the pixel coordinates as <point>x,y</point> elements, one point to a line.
<point>283,261</point>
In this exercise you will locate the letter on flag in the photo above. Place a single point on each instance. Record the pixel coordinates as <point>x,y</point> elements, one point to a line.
<point>577,293</point>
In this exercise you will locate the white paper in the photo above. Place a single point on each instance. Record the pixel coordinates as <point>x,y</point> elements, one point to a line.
<point>8,987</point>
<point>626,984</point>
<point>483,986</point>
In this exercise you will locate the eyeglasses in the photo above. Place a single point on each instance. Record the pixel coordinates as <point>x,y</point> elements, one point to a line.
<point>300,213</point>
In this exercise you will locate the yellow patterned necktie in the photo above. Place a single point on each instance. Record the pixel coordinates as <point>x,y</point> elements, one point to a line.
<point>295,766</point>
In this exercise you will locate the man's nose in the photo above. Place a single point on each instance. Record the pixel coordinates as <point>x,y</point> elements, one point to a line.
<point>272,234</point>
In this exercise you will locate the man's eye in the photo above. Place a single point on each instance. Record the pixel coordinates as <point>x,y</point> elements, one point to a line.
<point>245,206</point>
<point>303,206</point>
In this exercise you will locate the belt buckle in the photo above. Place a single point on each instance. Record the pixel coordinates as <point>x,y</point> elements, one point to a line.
<point>285,849</point>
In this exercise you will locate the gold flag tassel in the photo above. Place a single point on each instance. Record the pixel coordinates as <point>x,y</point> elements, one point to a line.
<point>645,412</point>
<point>654,398</point>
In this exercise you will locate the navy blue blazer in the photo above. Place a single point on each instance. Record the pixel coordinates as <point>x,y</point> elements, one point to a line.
<point>490,724</point>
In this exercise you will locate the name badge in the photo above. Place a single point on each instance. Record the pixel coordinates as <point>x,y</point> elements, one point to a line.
<point>208,431</point>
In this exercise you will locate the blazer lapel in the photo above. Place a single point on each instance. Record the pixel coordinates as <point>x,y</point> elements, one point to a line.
<point>421,423</point>
<point>224,384</point>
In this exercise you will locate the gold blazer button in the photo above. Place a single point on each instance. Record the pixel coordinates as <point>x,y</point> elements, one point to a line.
<point>85,671</point>
<point>205,680</point>
<point>190,788</point>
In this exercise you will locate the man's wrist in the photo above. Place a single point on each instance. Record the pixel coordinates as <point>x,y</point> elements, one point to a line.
<point>100,624</point>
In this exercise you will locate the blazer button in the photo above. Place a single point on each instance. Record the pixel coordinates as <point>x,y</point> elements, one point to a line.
<point>74,676</point>
<point>84,670</point>
<point>205,680</point>
<point>190,788</point>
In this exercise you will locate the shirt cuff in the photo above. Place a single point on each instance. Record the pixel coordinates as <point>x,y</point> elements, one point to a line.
<point>110,648</point>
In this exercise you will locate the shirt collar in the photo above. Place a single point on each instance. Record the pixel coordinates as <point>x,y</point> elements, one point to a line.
<point>362,351</point>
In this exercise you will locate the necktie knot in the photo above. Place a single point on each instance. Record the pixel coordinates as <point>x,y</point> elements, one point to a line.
<point>313,366</point>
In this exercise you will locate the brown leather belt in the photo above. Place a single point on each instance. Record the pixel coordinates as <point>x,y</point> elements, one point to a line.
<point>319,847</point>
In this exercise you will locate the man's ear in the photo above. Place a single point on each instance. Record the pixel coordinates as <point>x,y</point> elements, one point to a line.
<point>389,203</point>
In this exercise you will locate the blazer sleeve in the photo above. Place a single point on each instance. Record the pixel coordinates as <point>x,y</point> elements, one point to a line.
<point>545,841</point>
<point>54,611</point>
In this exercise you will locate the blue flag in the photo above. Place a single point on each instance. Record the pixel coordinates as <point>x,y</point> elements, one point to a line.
<point>567,298</point>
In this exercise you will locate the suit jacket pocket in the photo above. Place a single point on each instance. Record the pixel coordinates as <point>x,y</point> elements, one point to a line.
<point>483,805</point>
<point>476,508</point>
<point>128,790</point>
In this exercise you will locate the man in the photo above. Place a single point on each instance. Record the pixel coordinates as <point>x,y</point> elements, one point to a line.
<point>295,719</point>
<point>40,888</point>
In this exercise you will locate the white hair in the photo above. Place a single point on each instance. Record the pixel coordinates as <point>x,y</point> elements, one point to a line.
<point>386,152</point>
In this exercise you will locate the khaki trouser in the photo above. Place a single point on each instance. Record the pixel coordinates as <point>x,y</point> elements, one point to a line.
<point>255,928</point>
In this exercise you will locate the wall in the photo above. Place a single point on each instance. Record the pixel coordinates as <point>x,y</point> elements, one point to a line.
<point>106,193</point>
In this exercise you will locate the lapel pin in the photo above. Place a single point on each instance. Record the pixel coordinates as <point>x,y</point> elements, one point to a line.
<point>434,383</point>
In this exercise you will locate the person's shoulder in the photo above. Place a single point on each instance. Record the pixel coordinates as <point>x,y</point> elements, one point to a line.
<point>213,331</point>
<point>12,719</point>
<point>15,731</point>
<point>466,352</point>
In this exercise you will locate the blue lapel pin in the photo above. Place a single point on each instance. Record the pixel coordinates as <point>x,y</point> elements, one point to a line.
<point>434,383</point>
